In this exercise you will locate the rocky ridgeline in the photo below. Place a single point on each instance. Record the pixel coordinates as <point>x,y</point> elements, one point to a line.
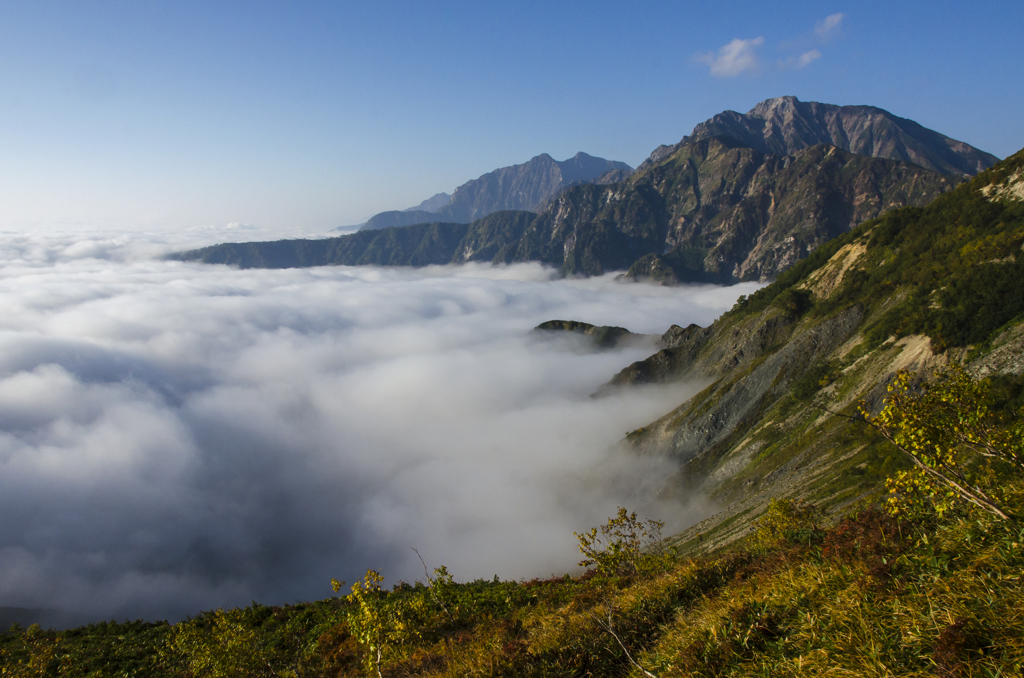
<point>743,197</point>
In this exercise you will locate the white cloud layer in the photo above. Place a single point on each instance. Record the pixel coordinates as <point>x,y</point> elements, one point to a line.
<point>739,56</point>
<point>175,437</point>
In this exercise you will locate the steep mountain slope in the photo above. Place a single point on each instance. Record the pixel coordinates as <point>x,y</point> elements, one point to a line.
<point>785,125</point>
<point>517,187</point>
<point>716,211</point>
<point>912,290</point>
<point>523,187</point>
<point>712,211</point>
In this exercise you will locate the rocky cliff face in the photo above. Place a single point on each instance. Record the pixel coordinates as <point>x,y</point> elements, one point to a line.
<point>715,211</point>
<point>785,125</point>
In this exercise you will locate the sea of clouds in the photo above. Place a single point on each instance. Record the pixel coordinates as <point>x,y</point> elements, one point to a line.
<point>178,437</point>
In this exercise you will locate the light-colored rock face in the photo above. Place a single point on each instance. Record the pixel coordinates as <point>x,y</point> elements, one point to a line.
<point>826,279</point>
<point>1011,189</point>
<point>1006,356</point>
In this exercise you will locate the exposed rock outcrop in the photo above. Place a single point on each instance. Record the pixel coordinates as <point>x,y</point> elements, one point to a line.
<point>602,336</point>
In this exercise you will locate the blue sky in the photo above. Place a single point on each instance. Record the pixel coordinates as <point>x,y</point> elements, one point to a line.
<point>306,116</point>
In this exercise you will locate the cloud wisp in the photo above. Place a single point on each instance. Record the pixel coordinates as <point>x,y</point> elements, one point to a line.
<point>742,56</point>
<point>802,61</point>
<point>175,437</point>
<point>737,57</point>
<point>829,27</point>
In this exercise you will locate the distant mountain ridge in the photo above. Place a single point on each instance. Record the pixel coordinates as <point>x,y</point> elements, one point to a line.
<point>713,208</point>
<point>786,125</point>
<point>713,211</point>
<point>393,218</point>
<point>526,186</point>
<point>431,204</point>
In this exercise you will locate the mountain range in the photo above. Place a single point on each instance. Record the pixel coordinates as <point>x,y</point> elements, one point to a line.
<point>712,208</point>
<point>431,204</point>
<point>526,186</point>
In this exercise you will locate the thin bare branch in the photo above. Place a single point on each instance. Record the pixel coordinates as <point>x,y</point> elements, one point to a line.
<point>430,587</point>
<point>609,626</point>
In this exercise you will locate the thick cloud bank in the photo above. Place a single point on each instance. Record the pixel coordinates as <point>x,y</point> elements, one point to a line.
<point>176,437</point>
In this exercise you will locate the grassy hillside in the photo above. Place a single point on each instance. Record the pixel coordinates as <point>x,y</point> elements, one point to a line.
<point>872,596</point>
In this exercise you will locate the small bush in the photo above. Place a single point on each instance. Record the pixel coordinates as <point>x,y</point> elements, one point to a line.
<point>623,546</point>
<point>786,521</point>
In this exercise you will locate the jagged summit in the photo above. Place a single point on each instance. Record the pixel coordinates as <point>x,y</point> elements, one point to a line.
<point>785,125</point>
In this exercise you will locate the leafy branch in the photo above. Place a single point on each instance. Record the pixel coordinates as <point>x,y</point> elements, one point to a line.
<point>958,445</point>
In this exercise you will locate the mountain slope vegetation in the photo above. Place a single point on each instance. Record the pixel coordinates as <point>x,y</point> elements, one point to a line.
<point>917,289</point>
<point>872,596</point>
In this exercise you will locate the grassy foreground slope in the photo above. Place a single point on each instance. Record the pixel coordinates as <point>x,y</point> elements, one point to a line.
<point>869,597</point>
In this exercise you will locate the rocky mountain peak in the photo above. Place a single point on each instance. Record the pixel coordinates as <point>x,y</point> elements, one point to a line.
<point>524,187</point>
<point>776,107</point>
<point>784,125</point>
<point>527,186</point>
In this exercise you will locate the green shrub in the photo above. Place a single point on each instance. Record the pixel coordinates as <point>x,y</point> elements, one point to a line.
<point>786,521</point>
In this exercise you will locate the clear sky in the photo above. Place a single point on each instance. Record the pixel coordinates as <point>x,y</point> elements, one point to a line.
<point>309,115</point>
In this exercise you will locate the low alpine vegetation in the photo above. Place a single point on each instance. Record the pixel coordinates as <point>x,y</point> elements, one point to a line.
<point>929,584</point>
